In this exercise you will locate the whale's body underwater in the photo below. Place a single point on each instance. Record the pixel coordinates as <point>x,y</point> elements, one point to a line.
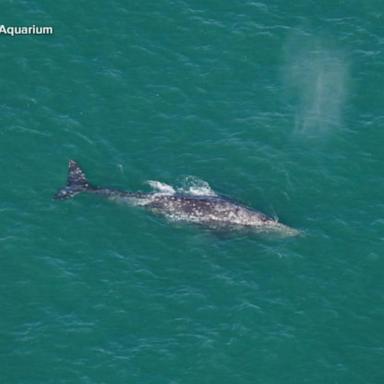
<point>215,212</point>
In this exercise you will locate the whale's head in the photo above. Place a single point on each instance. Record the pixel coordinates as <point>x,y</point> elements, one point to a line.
<point>275,227</point>
<point>286,231</point>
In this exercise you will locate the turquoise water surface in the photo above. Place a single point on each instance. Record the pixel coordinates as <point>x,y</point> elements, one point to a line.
<point>277,104</point>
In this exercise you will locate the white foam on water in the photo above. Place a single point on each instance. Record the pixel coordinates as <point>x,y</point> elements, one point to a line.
<point>194,186</point>
<point>191,185</point>
<point>161,187</point>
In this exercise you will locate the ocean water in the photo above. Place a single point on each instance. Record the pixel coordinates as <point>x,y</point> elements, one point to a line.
<point>277,104</point>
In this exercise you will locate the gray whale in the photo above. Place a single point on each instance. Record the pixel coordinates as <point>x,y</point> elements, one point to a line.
<point>211,211</point>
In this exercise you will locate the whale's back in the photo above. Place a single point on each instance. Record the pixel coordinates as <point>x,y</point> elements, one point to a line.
<point>206,210</point>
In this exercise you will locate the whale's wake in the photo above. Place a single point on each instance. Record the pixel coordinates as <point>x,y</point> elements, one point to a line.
<point>191,185</point>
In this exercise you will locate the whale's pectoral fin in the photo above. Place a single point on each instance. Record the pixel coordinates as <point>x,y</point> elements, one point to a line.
<point>76,182</point>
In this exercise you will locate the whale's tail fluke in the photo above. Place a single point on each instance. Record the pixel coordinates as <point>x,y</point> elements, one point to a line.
<point>76,182</point>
